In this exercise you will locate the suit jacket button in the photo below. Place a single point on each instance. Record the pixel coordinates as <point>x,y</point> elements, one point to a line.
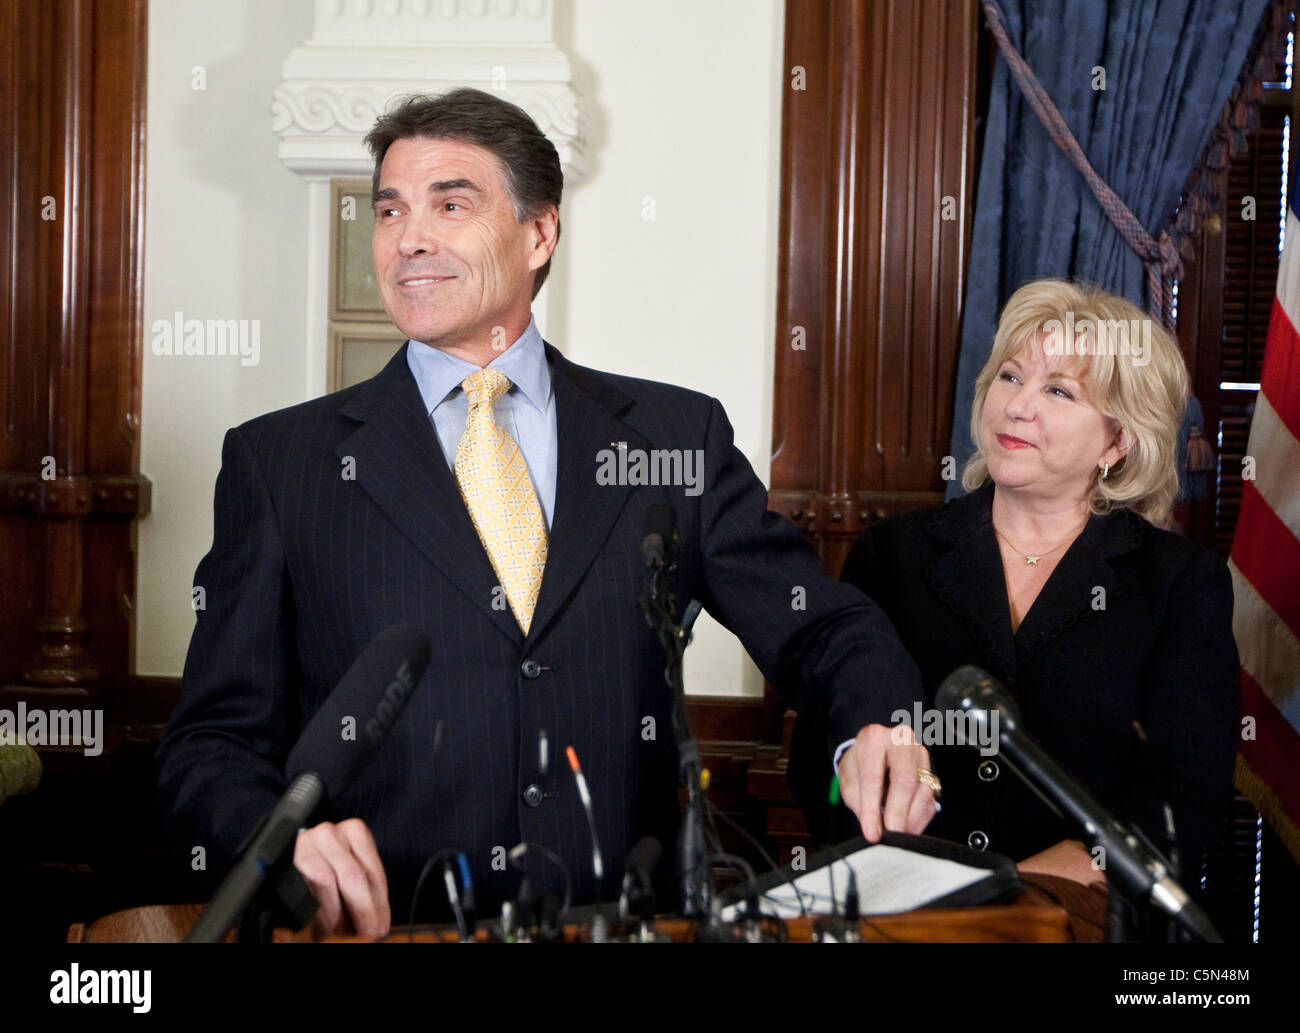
<point>533,795</point>
<point>530,668</point>
<point>988,771</point>
<point>977,840</point>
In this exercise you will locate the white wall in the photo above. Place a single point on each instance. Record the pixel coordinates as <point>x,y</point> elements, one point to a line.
<point>223,230</point>
<point>683,107</point>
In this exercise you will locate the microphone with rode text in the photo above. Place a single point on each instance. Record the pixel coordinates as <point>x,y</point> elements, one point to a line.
<point>321,766</point>
<point>1132,866</point>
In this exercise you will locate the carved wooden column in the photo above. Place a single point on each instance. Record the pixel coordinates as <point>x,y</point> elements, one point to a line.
<point>878,152</point>
<point>72,126</point>
<point>877,171</point>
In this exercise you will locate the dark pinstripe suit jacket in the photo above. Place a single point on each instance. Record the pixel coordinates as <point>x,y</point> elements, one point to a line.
<point>307,566</point>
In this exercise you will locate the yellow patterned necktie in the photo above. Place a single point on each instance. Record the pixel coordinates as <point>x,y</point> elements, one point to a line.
<point>498,493</point>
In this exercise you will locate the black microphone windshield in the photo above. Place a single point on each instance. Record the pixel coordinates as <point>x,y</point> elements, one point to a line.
<point>365,703</point>
<point>660,523</point>
<point>981,688</point>
<point>644,857</point>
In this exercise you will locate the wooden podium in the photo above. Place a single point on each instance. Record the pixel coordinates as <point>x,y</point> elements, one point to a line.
<point>1049,910</point>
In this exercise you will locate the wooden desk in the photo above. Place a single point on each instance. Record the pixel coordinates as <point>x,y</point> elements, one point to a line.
<point>1015,923</point>
<point>1049,910</point>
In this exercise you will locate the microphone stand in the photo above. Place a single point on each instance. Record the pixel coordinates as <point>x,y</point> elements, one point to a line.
<point>659,607</point>
<point>1139,879</point>
<point>1129,917</point>
<point>285,901</point>
<point>263,890</point>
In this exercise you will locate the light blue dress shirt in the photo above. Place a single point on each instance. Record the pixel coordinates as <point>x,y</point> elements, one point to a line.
<point>526,412</point>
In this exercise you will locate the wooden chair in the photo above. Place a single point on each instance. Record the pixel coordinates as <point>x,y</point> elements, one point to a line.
<point>157,923</point>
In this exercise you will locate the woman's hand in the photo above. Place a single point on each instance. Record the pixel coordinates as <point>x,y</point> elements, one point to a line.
<point>1067,859</point>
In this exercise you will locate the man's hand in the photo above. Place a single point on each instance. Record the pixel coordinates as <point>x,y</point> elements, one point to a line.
<point>879,755</point>
<point>341,865</point>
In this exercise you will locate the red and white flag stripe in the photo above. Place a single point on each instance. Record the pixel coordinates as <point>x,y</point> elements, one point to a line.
<point>1265,568</point>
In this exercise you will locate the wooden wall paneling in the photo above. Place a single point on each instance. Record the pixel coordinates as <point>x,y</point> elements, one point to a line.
<point>870,267</point>
<point>72,110</point>
<point>803,272</point>
<point>17,536</point>
<point>47,57</point>
<point>73,126</point>
<point>123,494</point>
<point>61,658</point>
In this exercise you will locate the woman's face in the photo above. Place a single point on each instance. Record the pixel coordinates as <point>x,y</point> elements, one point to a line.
<point>1041,432</point>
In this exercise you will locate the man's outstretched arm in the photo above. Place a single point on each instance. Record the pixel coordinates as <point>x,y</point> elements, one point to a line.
<point>824,645</point>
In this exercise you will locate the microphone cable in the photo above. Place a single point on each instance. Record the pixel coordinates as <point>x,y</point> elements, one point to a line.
<point>453,895</point>
<point>790,880</point>
<point>753,911</point>
<point>445,855</point>
<point>584,794</point>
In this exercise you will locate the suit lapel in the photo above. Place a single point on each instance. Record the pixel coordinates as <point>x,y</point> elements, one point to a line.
<point>399,463</point>
<point>968,576</point>
<point>586,409</point>
<point>1083,582</point>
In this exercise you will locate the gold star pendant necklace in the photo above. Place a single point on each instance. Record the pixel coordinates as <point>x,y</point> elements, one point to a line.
<point>1032,559</point>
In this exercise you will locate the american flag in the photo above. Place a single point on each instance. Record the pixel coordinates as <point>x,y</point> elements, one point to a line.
<point>1265,566</point>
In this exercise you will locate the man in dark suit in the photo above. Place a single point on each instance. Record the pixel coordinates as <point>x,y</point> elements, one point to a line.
<point>467,489</point>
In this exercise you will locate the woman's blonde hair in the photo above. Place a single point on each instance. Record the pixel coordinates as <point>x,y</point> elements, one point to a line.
<point>1135,375</point>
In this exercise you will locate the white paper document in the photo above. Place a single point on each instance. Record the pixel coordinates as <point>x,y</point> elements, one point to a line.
<point>890,880</point>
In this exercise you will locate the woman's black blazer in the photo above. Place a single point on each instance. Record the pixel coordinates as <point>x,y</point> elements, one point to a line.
<point>1124,669</point>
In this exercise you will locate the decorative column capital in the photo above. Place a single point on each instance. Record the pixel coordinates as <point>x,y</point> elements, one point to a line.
<point>365,55</point>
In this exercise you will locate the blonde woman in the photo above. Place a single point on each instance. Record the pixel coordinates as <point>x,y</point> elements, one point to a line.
<point>1114,637</point>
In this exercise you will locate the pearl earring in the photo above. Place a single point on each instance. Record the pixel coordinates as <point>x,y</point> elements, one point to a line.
<point>1105,470</point>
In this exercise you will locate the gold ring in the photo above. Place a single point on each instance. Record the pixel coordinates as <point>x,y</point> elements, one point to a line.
<point>931,781</point>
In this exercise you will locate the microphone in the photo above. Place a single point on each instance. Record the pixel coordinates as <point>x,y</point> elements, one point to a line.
<point>322,764</point>
<point>521,915</point>
<point>548,918</point>
<point>660,532</point>
<point>659,607</point>
<point>374,691</point>
<point>1132,864</point>
<point>638,886</point>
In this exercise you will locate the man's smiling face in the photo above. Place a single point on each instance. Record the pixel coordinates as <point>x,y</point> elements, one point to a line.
<point>452,262</point>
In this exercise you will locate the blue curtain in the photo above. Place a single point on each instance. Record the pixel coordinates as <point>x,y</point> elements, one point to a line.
<point>1169,68</point>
